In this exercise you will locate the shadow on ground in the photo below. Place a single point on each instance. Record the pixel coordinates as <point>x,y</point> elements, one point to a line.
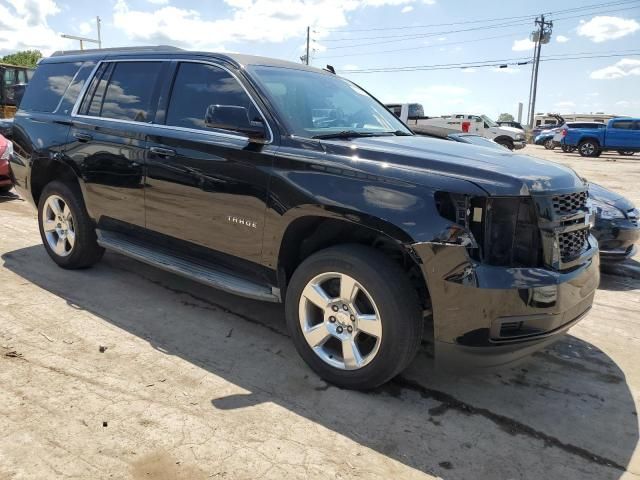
<point>568,410</point>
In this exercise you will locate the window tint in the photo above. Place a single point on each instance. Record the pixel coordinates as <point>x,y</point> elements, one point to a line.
<point>71,95</point>
<point>623,124</point>
<point>130,91</point>
<point>22,76</point>
<point>197,86</point>
<point>99,86</point>
<point>48,85</point>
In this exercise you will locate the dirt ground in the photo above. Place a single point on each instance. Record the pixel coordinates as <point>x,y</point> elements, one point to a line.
<point>123,371</point>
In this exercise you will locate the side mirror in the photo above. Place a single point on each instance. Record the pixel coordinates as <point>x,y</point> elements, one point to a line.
<point>235,118</point>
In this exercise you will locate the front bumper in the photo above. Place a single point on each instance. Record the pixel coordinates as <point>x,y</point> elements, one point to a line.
<point>617,238</point>
<point>486,316</point>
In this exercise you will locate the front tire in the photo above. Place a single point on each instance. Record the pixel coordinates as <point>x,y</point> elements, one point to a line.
<point>589,148</point>
<point>568,148</point>
<point>354,316</point>
<point>549,145</point>
<point>67,231</point>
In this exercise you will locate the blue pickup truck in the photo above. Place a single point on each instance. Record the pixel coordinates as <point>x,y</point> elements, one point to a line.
<point>620,134</point>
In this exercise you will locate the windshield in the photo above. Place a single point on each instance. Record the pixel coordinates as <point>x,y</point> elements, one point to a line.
<point>314,104</point>
<point>488,121</point>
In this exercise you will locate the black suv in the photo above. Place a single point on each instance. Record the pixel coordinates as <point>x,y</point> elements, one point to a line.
<point>285,183</point>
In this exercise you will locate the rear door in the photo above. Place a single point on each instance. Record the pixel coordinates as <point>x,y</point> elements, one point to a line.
<point>107,139</point>
<point>207,186</point>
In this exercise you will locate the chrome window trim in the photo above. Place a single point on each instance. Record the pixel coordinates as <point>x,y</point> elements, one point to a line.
<point>235,135</point>
<point>55,110</point>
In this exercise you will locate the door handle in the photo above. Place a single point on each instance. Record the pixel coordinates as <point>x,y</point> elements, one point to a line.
<point>162,152</point>
<point>82,137</point>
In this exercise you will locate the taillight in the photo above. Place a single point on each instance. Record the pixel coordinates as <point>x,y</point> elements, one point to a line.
<point>564,132</point>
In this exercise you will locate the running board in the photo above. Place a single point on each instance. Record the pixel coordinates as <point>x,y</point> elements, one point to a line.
<point>198,271</point>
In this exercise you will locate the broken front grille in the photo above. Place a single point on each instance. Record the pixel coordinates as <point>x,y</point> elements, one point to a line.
<point>572,244</point>
<point>570,204</point>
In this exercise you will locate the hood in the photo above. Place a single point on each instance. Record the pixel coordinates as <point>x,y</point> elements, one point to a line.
<point>496,172</point>
<point>598,192</point>
<point>510,130</point>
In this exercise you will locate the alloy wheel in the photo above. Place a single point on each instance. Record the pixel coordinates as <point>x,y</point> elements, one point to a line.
<point>58,226</point>
<point>340,321</point>
<point>588,149</point>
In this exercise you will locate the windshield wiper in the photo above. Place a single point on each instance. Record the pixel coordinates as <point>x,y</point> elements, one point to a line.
<point>349,134</point>
<point>402,133</point>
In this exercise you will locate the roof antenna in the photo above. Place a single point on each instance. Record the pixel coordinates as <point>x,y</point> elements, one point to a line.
<point>329,68</point>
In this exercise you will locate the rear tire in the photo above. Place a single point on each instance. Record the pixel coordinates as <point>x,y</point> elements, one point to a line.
<point>625,153</point>
<point>507,143</point>
<point>589,148</point>
<point>362,285</point>
<point>549,145</point>
<point>568,148</point>
<point>67,231</point>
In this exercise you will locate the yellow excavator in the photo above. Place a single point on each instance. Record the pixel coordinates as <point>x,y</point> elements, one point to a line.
<point>13,80</point>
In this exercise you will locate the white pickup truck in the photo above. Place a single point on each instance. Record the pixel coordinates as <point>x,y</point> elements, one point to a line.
<point>512,138</point>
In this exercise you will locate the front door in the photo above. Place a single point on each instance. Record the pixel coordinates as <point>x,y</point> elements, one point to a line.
<point>204,185</point>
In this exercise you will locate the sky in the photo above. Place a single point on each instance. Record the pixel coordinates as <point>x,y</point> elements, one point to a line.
<point>356,36</point>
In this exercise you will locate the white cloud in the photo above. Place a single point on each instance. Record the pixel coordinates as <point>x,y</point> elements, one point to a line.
<point>407,9</point>
<point>469,70</point>
<point>603,28</point>
<point>522,45</point>
<point>250,20</point>
<point>349,66</point>
<point>25,26</point>
<point>159,2</point>
<point>593,94</point>
<point>622,68</point>
<point>85,28</point>
<point>429,2</point>
<point>562,39</point>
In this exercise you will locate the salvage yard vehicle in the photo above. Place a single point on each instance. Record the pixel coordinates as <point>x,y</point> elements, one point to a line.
<point>284,183</point>
<point>13,82</point>
<point>509,137</point>
<point>6,151</point>
<point>545,138</point>
<point>617,224</point>
<point>620,134</point>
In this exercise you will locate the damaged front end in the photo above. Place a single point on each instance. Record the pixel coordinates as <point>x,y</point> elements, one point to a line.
<point>508,274</point>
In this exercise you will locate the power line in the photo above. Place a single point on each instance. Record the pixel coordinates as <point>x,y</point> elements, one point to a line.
<point>517,61</point>
<point>421,47</point>
<point>417,36</point>
<point>487,20</point>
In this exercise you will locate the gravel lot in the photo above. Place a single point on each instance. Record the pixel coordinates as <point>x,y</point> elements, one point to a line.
<point>196,384</point>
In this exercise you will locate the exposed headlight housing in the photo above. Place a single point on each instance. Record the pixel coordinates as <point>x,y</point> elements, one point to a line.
<point>606,211</point>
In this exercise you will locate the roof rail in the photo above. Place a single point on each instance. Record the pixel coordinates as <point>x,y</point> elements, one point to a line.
<point>147,48</point>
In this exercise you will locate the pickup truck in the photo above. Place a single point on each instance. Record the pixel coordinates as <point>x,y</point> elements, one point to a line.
<point>620,134</point>
<point>284,183</point>
<point>509,137</point>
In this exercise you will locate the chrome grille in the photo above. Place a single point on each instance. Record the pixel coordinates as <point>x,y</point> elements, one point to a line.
<point>570,204</point>
<point>572,244</point>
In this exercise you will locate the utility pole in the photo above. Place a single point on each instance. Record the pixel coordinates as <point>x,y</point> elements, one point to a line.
<point>98,29</point>
<point>306,57</point>
<point>541,36</point>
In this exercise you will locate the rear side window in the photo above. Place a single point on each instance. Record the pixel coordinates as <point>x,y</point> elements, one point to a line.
<point>123,91</point>
<point>130,91</point>
<point>48,85</point>
<point>199,85</point>
<point>71,95</point>
<point>623,124</point>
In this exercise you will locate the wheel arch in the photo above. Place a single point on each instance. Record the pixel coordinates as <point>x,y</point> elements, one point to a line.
<point>313,229</point>
<point>45,171</point>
